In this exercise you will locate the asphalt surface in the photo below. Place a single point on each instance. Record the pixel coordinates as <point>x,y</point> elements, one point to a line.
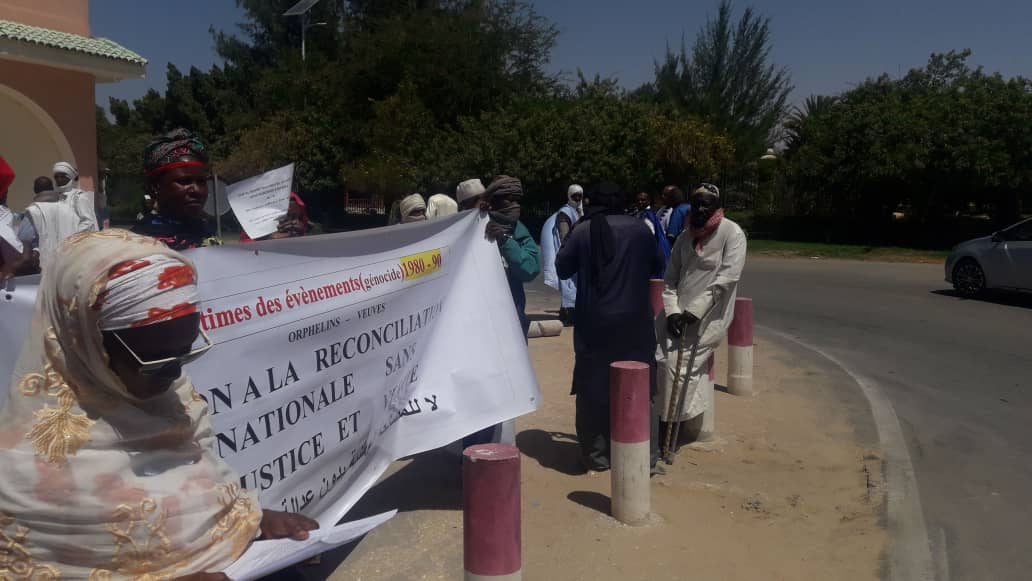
<point>959,375</point>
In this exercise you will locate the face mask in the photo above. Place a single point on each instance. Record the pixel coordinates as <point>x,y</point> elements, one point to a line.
<point>67,187</point>
<point>508,216</point>
<point>698,220</point>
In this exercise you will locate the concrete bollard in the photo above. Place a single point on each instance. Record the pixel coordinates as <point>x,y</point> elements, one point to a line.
<point>491,513</point>
<point>547,328</point>
<point>656,296</point>
<point>708,419</point>
<point>740,349</point>
<point>629,441</point>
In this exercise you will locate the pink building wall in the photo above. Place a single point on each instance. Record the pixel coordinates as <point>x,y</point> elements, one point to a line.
<point>67,96</point>
<point>65,15</point>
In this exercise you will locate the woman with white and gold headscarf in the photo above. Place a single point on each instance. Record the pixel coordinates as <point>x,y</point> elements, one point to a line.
<point>105,445</point>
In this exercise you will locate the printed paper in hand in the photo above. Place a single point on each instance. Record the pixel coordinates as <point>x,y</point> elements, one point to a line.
<point>267,557</point>
<point>260,202</point>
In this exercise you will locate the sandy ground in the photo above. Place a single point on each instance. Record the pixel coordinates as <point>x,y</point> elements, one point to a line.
<point>793,490</point>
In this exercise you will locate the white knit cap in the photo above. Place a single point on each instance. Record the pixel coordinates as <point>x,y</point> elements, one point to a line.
<point>469,189</point>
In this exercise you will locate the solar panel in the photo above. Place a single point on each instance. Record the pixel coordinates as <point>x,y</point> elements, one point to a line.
<point>300,8</point>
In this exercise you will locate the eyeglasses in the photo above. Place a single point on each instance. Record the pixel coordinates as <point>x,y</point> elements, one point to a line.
<point>157,366</point>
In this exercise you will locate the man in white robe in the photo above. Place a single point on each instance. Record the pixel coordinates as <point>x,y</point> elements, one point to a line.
<point>701,284</point>
<point>48,224</point>
<point>553,234</point>
<point>67,179</point>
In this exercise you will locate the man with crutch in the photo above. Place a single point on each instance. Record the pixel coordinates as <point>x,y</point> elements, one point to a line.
<point>699,297</point>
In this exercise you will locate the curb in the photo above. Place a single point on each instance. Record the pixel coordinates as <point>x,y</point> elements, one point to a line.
<point>910,555</point>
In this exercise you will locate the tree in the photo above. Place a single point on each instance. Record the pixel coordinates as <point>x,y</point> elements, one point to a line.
<point>689,151</point>
<point>728,80</point>
<point>795,125</point>
<point>942,140</point>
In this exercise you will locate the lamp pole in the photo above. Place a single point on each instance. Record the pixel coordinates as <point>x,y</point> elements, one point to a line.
<point>768,159</point>
<point>303,9</point>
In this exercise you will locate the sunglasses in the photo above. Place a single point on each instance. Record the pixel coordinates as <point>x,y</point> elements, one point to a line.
<point>158,366</point>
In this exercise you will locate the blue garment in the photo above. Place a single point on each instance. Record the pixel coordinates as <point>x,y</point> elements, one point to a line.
<point>678,218</point>
<point>661,240</point>
<point>550,245</point>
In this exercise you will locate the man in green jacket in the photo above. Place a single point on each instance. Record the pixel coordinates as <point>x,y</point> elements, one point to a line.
<point>520,254</point>
<point>522,259</point>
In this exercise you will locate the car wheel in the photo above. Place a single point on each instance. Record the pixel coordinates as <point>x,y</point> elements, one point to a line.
<point>969,278</point>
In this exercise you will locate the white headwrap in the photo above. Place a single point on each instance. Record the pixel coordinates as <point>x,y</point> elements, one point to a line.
<point>409,204</point>
<point>440,205</point>
<point>707,189</point>
<point>81,201</point>
<point>146,291</point>
<point>469,189</point>
<point>97,483</point>
<point>579,206</point>
<point>65,168</point>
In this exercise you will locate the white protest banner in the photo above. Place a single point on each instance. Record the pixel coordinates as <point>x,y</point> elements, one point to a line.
<point>7,229</point>
<point>16,307</point>
<point>336,355</point>
<point>267,557</point>
<point>260,202</point>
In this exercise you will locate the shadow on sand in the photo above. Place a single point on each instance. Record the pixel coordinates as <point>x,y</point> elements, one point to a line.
<point>431,481</point>
<point>593,500</point>
<point>557,451</point>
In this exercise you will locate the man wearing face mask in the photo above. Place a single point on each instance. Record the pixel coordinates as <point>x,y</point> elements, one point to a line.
<point>66,177</point>
<point>520,254</point>
<point>699,297</point>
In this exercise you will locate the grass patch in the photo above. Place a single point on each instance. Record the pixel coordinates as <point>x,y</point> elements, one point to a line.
<point>781,249</point>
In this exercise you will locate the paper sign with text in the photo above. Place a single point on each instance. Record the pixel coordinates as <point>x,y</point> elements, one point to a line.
<point>261,201</point>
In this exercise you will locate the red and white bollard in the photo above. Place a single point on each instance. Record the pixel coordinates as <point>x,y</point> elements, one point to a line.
<point>740,349</point>
<point>629,441</point>
<point>491,513</point>
<point>656,286</point>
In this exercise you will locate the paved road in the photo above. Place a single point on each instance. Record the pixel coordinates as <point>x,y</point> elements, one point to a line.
<point>959,374</point>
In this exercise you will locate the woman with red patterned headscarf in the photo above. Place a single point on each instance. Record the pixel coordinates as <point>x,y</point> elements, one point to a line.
<point>177,171</point>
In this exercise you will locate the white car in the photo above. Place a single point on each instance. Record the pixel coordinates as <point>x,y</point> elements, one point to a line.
<point>1000,261</point>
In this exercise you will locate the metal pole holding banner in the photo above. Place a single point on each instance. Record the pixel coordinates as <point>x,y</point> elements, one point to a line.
<point>629,441</point>
<point>492,538</point>
<point>218,214</point>
<point>740,349</point>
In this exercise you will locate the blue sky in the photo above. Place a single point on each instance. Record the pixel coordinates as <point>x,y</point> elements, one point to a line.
<point>827,45</point>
